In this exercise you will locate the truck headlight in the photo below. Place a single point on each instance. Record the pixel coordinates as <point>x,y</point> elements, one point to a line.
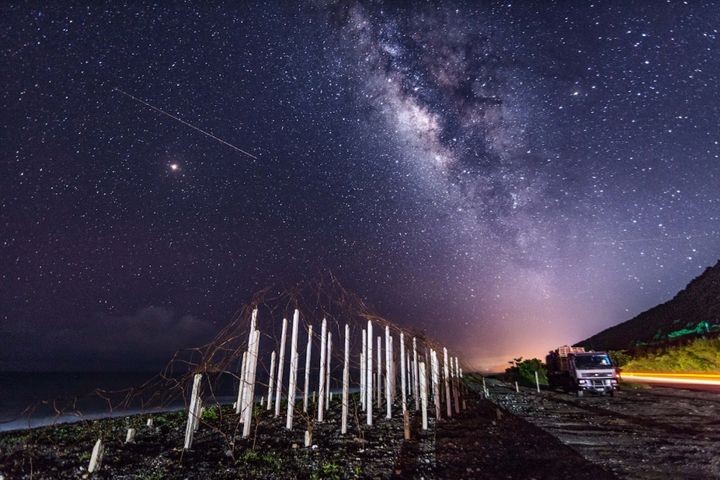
<point>582,382</point>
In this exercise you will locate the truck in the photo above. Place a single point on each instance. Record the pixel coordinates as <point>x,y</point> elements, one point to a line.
<point>575,370</point>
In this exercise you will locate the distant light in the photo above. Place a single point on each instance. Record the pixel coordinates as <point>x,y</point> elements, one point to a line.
<point>174,167</point>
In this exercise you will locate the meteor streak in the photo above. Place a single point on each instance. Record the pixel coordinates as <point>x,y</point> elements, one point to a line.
<point>186,123</point>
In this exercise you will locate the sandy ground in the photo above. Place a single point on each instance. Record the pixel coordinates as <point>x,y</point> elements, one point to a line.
<point>641,433</point>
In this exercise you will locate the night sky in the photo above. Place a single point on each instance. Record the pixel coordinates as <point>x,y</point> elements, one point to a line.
<point>508,177</point>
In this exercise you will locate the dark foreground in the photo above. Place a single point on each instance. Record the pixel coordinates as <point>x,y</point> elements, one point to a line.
<point>641,433</point>
<point>482,442</point>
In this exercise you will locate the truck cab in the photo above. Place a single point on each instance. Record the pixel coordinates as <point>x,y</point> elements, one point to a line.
<point>575,370</point>
<point>592,371</point>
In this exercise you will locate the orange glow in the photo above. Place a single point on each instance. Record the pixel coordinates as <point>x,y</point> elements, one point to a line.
<point>680,378</point>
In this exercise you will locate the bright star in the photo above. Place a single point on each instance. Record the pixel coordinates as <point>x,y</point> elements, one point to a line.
<point>174,167</point>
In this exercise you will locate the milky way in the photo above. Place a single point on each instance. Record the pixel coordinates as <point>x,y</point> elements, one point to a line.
<point>507,177</point>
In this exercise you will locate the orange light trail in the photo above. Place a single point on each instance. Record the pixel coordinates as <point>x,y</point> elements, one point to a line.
<point>679,378</point>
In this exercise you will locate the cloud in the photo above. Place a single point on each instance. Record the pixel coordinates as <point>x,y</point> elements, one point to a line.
<point>139,341</point>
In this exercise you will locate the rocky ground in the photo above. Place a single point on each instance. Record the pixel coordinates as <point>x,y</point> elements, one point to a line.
<point>482,442</point>
<point>641,433</point>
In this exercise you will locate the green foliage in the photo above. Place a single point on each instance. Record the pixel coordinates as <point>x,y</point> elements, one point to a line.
<point>523,371</point>
<point>269,460</point>
<point>619,357</point>
<point>210,414</point>
<point>701,355</point>
<point>330,471</point>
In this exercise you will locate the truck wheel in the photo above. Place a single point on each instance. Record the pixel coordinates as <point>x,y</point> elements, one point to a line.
<point>612,393</point>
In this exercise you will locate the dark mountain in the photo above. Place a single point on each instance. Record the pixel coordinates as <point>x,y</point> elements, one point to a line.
<point>693,311</point>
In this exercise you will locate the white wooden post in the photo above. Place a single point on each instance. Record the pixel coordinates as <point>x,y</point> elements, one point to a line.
<point>517,387</point>
<point>130,437</point>
<point>149,422</point>
<point>346,381</point>
<point>281,365</point>
<point>537,382</point>
<point>391,370</point>
<point>435,383</point>
<point>241,387</point>
<point>416,384</point>
<point>379,372</point>
<point>193,411</point>
<point>249,368</point>
<point>328,358</point>
<point>321,377</point>
<point>250,391</point>
<point>293,370</point>
<point>423,395</point>
<point>96,457</point>
<point>403,366</point>
<point>456,384</point>
<point>388,376</point>
<point>272,381</point>
<point>368,381</point>
<point>446,372</point>
<point>363,376</point>
<point>308,354</point>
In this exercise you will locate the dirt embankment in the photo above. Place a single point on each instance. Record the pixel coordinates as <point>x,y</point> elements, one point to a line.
<point>480,443</point>
<point>641,433</point>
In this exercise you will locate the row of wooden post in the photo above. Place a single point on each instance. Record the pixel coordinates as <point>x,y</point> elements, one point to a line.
<point>416,379</point>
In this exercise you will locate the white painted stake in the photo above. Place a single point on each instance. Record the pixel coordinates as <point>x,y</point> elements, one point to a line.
<point>281,364</point>
<point>403,366</point>
<point>250,382</point>
<point>250,369</point>
<point>149,422</point>
<point>241,387</point>
<point>328,358</point>
<point>308,354</point>
<point>537,381</point>
<point>446,374</point>
<point>271,383</point>
<point>363,376</point>
<point>130,437</point>
<point>308,438</point>
<point>96,457</point>
<point>293,371</point>
<point>517,387</point>
<point>416,383</point>
<point>392,370</point>
<point>368,381</point>
<point>388,376</point>
<point>193,411</point>
<point>378,378</point>
<point>435,383</point>
<point>346,381</point>
<point>423,395</point>
<point>321,377</point>
<point>455,383</point>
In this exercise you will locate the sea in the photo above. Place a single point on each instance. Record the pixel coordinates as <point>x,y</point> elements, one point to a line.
<point>28,399</point>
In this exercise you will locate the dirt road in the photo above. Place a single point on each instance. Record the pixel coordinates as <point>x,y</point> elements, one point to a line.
<point>649,433</point>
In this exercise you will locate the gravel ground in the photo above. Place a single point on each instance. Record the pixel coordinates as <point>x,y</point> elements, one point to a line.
<point>480,443</point>
<point>641,433</point>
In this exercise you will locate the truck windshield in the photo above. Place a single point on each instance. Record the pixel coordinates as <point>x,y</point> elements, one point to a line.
<point>584,362</point>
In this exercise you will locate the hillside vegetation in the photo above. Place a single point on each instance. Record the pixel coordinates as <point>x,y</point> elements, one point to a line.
<point>695,311</point>
<point>701,355</point>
